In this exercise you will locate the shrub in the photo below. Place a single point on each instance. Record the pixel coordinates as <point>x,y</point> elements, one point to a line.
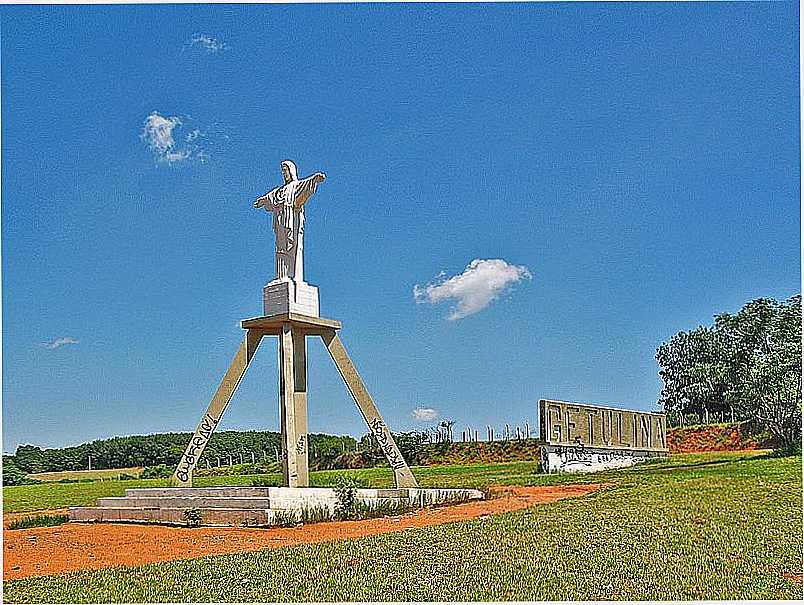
<point>13,475</point>
<point>346,495</point>
<point>193,517</point>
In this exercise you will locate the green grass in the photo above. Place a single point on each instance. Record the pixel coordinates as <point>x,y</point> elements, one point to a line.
<point>38,521</point>
<point>96,474</point>
<point>707,526</point>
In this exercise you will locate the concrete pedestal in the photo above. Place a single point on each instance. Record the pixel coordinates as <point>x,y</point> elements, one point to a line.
<point>286,296</point>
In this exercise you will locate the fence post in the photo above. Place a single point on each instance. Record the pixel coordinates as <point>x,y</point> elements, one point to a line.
<point>527,431</point>
<point>230,460</point>
<point>706,416</point>
<point>219,460</point>
<point>252,457</point>
<point>731,409</point>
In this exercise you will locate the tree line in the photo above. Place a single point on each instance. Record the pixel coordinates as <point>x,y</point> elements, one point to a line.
<point>167,448</point>
<point>748,363</point>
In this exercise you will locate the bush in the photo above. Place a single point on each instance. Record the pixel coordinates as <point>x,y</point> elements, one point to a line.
<point>193,517</point>
<point>14,475</point>
<point>346,495</point>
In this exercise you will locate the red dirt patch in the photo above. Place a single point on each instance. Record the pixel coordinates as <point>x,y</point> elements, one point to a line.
<point>77,546</point>
<point>709,438</point>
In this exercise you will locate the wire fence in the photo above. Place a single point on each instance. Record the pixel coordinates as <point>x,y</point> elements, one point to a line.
<point>682,419</point>
<point>449,432</point>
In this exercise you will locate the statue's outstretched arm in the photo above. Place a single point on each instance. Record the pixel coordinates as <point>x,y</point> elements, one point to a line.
<point>264,201</point>
<point>307,188</point>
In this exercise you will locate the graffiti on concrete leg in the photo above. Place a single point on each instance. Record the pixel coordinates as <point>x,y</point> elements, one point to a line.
<point>196,447</point>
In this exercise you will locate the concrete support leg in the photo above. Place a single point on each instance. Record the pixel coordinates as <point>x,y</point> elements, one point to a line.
<point>403,477</point>
<point>183,475</point>
<point>293,405</point>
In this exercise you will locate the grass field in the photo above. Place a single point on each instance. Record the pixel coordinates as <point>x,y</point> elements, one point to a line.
<point>111,473</point>
<point>714,526</point>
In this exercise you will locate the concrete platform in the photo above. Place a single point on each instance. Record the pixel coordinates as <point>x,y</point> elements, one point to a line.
<point>249,506</point>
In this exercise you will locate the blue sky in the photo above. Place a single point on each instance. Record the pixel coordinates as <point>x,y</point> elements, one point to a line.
<point>634,166</point>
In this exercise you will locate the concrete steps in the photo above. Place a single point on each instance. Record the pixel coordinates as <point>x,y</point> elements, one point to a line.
<point>173,516</point>
<point>250,506</point>
<point>185,502</point>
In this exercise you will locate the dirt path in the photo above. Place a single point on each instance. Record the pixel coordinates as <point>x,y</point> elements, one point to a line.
<point>77,546</point>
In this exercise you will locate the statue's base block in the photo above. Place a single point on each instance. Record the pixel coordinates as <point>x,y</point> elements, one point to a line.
<point>228,506</point>
<point>290,297</point>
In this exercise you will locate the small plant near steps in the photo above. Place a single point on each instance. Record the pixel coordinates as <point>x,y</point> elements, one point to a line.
<point>192,517</point>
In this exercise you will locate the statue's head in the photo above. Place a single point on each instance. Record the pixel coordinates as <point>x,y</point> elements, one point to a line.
<point>289,171</point>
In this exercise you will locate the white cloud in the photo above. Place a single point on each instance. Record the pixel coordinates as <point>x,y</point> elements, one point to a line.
<point>60,342</point>
<point>208,43</point>
<point>481,283</point>
<point>424,414</point>
<point>158,134</point>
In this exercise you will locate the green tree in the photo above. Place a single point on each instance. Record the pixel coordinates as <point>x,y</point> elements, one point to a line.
<point>750,361</point>
<point>764,340</point>
<point>695,372</point>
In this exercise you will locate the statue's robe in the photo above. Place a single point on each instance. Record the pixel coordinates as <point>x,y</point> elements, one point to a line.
<point>287,205</point>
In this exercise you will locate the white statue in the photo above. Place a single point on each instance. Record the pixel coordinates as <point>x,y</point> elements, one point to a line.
<point>287,205</point>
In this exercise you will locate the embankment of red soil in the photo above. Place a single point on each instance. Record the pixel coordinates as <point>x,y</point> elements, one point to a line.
<point>714,438</point>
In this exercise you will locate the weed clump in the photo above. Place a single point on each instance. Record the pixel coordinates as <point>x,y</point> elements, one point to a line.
<point>38,521</point>
<point>192,516</point>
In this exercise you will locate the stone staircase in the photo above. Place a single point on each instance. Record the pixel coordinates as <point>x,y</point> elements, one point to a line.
<point>248,506</point>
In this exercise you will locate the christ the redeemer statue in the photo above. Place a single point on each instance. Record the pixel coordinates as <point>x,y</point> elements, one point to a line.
<point>287,205</point>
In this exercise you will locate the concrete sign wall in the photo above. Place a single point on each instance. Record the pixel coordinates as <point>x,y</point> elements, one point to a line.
<point>581,437</point>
